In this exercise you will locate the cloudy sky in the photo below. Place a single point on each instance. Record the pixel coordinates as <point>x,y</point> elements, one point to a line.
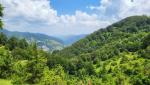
<point>68,17</point>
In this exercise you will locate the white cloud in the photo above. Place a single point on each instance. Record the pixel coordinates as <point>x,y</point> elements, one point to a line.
<point>103,5</point>
<point>39,16</point>
<point>135,7</point>
<point>122,8</point>
<point>31,10</point>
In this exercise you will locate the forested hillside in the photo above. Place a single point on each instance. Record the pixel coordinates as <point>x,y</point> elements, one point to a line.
<point>116,55</point>
<point>47,43</point>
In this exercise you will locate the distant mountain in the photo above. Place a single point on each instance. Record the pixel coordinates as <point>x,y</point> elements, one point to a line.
<point>70,39</point>
<point>45,42</point>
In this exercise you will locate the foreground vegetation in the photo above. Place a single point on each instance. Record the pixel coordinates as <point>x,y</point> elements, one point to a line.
<point>116,55</point>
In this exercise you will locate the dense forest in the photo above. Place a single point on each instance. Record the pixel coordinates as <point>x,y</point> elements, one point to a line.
<point>116,55</point>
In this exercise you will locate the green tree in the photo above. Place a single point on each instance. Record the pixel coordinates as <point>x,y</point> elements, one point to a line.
<point>12,43</point>
<point>1,14</point>
<point>5,62</point>
<point>23,43</point>
<point>20,54</point>
<point>55,76</point>
<point>3,39</point>
<point>20,74</point>
<point>146,53</point>
<point>146,41</point>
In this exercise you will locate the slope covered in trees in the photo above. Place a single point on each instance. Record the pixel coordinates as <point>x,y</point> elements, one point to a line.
<point>116,55</point>
<point>131,27</point>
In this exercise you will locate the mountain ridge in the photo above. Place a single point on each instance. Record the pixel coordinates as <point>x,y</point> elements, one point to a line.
<point>48,43</point>
<point>42,40</point>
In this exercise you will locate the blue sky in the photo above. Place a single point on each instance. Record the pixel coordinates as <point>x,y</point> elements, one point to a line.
<point>70,6</point>
<point>68,17</point>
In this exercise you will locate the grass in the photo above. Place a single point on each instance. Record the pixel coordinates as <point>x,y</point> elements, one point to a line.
<point>5,82</point>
